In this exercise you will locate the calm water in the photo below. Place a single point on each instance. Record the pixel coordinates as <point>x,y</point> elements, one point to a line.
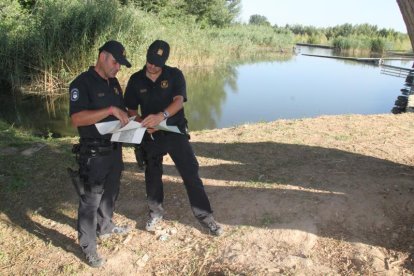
<point>294,87</point>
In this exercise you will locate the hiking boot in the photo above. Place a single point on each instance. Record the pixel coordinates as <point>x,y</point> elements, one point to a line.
<point>117,230</point>
<point>152,223</point>
<point>94,260</point>
<point>211,225</point>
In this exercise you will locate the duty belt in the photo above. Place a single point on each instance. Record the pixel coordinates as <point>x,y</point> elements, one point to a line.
<point>99,145</point>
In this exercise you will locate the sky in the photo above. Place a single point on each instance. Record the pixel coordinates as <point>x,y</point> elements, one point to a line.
<point>326,13</point>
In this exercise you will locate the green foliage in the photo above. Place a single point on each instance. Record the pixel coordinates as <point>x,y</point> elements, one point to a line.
<point>378,45</point>
<point>351,37</point>
<point>152,5</point>
<point>257,19</point>
<point>218,13</point>
<point>27,4</point>
<point>54,40</point>
<point>55,36</point>
<point>374,44</point>
<point>13,139</point>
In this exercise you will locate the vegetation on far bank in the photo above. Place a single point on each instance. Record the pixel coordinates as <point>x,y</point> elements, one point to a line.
<point>362,37</point>
<point>44,44</point>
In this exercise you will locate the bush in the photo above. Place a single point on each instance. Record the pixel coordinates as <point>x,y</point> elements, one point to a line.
<point>378,45</point>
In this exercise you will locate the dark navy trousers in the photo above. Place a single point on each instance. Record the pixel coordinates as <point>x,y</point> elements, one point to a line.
<point>181,152</point>
<point>97,206</point>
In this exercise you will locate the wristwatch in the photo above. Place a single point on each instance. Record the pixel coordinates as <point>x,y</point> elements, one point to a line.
<point>165,114</point>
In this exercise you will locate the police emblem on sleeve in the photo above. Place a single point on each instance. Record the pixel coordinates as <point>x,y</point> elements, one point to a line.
<point>74,94</point>
<point>164,84</point>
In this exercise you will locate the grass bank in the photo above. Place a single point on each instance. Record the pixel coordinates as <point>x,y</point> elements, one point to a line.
<point>47,47</point>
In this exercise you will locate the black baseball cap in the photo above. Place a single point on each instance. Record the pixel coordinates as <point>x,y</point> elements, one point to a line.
<point>117,50</point>
<point>158,53</point>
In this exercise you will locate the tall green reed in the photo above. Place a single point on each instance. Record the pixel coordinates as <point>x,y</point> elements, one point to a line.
<point>44,49</point>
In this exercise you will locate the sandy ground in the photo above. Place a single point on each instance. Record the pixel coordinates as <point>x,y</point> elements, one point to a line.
<point>330,195</point>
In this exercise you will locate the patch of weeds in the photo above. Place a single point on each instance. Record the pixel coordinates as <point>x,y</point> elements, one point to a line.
<point>258,184</point>
<point>4,258</point>
<point>108,243</point>
<point>254,184</point>
<point>341,137</point>
<point>139,252</point>
<point>235,231</point>
<point>68,269</point>
<point>44,272</point>
<point>17,183</point>
<point>49,244</point>
<point>267,219</point>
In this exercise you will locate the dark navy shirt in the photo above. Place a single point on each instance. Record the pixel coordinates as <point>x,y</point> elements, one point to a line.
<point>89,91</point>
<point>154,97</point>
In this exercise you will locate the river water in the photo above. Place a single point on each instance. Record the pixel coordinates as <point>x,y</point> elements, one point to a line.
<point>296,86</point>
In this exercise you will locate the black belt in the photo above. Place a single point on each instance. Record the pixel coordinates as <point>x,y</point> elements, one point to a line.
<point>157,134</point>
<point>94,140</point>
<point>101,145</point>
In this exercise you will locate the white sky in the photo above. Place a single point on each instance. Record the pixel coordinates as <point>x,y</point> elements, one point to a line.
<point>326,13</point>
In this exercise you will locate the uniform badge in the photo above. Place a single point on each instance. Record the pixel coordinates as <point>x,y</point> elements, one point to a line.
<point>74,94</point>
<point>164,84</point>
<point>116,90</point>
<point>144,90</point>
<point>160,52</point>
<point>101,95</point>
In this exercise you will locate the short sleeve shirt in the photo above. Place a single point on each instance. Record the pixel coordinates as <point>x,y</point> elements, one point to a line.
<point>89,91</point>
<point>154,97</point>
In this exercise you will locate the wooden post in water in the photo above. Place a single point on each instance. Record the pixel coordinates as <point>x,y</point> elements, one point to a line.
<point>407,11</point>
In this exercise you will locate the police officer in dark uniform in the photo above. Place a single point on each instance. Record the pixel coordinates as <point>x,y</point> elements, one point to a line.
<point>96,96</point>
<point>160,91</point>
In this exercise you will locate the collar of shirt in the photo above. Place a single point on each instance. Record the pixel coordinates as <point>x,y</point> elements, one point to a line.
<point>95,74</point>
<point>165,74</point>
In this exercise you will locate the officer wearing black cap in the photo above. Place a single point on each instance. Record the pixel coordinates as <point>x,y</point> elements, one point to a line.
<point>96,96</point>
<point>160,91</point>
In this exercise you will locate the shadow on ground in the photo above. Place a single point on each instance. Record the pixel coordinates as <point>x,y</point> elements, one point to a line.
<point>323,191</point>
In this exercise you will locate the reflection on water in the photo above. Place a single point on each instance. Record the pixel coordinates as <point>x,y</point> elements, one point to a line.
<point>293,86</point>
<point>44,116</point>
<point>206,95</point>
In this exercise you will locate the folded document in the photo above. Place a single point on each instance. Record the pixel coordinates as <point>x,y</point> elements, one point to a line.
<point>131,132</point>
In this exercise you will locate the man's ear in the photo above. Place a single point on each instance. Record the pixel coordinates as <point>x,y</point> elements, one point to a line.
<point>102,56</point>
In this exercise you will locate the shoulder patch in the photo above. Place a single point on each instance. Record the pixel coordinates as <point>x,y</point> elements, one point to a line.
<point>74,94</point>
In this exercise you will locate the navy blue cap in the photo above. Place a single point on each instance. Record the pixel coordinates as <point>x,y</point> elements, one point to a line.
<point>158,53</point>
<point>117,50</point>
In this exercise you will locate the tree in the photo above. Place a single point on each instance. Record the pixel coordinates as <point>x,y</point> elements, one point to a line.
<point>217,13</point>
<point>234,7</point>
<point>257,19</point>
<point>154,6</point>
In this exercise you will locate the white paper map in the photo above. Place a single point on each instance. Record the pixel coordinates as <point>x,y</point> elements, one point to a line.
<point>131,132</point>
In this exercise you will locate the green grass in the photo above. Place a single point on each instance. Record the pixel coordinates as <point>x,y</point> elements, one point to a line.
<point>342,137</point>
<point>16,170</point>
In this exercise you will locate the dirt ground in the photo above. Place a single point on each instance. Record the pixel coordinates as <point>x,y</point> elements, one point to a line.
<point>332,195</point>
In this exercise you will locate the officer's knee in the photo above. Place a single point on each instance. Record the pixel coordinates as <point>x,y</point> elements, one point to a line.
<point>154,161</point>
